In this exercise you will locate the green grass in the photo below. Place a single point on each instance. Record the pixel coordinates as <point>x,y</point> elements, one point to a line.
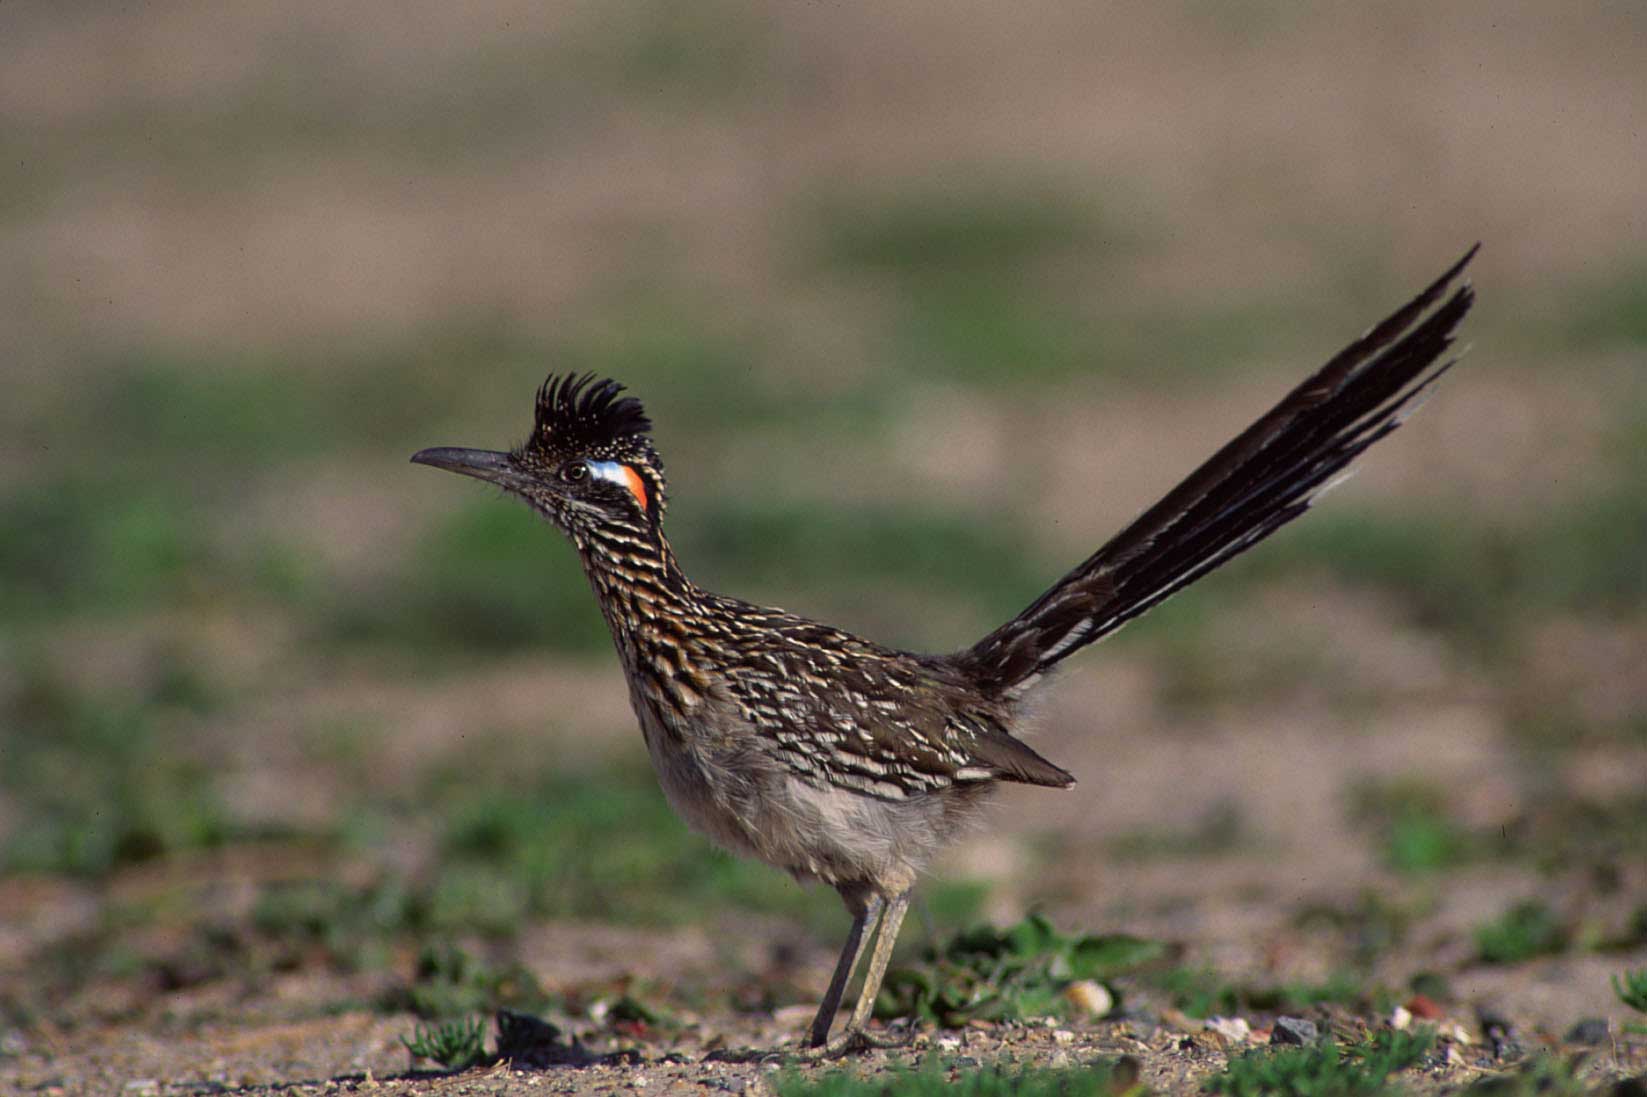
<point>1542,1075</point>
<point>492,576</point>
<point>1609,315</point>
<point>1105,1078</point>
<point>1370,926</point>
<point>1415,833</point>
<point>566,844</point>
<point>352,926</point>
<point>1527,930</point>
<point>1016,973</point>
<point>686,57</point>
<point>1324,1070</point>
<point>1410,820</point>
<point>455,1045</point>
<point>105,781</point>
<point>108,547</point>
<point>934,230</point>
<point>1477,581</point>
<point>601,845</point>
<point>969,271</point>
<point>1200,992</point>
<point>450,983</point>
<point>855,561</point>
<point>1203,992</point>
<point>1220,831</point>
<point>1631,988</point>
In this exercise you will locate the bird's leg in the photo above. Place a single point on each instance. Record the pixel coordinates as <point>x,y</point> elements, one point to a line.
<point>866,907</point>
<point>864,911</point>
<point>891,919</point>
<point>853,1037</point>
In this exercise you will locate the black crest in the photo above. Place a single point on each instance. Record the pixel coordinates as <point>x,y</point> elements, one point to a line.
<point>579,414</point>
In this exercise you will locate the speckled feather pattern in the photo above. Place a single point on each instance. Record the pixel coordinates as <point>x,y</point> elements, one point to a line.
<point>815,750</point>
<point>840,760</point>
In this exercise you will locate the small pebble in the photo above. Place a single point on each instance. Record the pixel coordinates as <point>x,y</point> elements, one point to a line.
<point>1401,1019</point>
<point>1063,1036</point>
<point>1590,1032</point>
<point>1423,1006</point>
<point>1234,1029</point>
<point>1090,997</point>
<point>1293,1030</point>
<point>949,1043</point>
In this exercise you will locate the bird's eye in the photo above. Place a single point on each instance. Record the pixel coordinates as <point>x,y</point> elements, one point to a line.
<point>575,472</point>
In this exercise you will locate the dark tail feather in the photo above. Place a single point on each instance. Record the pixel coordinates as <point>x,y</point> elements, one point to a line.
<point>1267,476</point>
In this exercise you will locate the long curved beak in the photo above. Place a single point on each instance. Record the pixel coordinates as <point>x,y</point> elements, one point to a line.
<point>482,464</point>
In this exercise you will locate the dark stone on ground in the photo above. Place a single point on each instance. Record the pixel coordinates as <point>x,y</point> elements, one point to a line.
<point>1590,1032</point>
<point>1293,1030</point>
<point>1631,1087</point>
<point>1499,1032</point>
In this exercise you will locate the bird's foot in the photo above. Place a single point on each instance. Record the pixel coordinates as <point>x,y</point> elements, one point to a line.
<point>853,1041</point>
<point>742,1055</point>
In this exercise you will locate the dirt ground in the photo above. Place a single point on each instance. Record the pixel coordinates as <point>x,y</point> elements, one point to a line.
<point>251,256</point>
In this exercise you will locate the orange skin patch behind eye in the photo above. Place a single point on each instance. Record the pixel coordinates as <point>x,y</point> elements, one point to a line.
<point>637,487</point>
<point>624,476</point>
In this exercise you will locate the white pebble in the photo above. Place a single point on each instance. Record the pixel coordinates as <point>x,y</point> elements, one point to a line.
<point>1234,1029</point>
<point>1090,997</point>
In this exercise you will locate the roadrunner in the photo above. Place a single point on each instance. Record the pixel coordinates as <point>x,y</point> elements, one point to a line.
<point>837,759</point>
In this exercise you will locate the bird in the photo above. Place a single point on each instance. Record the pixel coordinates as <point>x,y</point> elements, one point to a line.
<point>847,762</point>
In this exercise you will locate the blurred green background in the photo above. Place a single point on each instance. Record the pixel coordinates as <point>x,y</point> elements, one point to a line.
<point>925,301</point>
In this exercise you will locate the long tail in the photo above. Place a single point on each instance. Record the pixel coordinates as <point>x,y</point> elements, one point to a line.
<point>1269,475</point>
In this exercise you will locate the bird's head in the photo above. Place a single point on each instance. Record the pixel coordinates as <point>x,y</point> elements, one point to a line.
<point>588,463</point>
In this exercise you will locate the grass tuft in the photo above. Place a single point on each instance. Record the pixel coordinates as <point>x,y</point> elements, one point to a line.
<point>455,1045</point>
<point>1410,817</point>
<point>933,232</point>
<point>1017,973</point>
<point>1525,931</point>
<point>1324,1070</point>
<point>449,982</point>
<point>104,780</point>
<point>1105,1078</point>
<point>1631,988</point>
<point>1203,992</point>
<point>1541,1076</point>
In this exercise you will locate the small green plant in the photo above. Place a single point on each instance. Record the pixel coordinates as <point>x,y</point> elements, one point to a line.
<point>1203,992</point>
<point>1415,833</point>
<point>1524,931</point>
<point>449,982</point>
<point>106,780</point>
<point>1540,1076</point>
<point>1018,972</point>
<point>1324,1070</point>
<point>455,1045</point>
<point>1105,1078</point>
<point>1219,831</point>
<point>1200,992</point>
<point>1631,988</point>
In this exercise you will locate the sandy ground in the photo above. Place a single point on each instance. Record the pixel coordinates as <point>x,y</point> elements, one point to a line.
<point>237,182</point>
